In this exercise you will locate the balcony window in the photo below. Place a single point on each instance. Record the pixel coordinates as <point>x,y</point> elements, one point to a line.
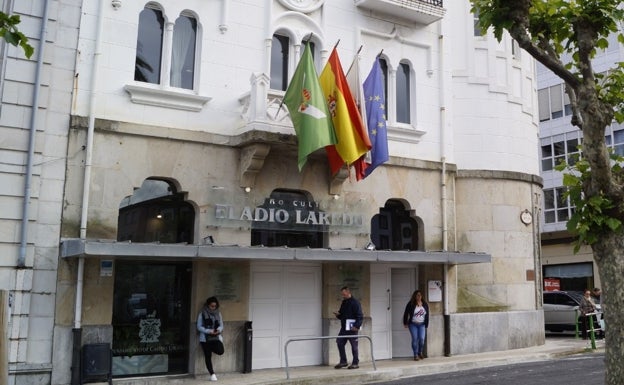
<point>279,62</point>
<point>183,55</point>
<point>149,46</point>
<point>403,100</point>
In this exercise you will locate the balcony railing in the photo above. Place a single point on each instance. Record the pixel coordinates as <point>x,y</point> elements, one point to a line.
<point>419,11</point>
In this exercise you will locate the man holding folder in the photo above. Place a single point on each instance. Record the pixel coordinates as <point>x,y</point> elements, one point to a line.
<point>350,316</point>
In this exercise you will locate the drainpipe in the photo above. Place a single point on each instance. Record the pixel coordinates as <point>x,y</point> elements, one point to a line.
<point>537,254</point>
<point>21,259</point>
<point>21,277</point>
<point>444,198</point>
<point>77,331</point>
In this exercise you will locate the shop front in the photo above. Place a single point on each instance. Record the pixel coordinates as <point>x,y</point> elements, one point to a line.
<point>285,292</point>
<point>275,262</point>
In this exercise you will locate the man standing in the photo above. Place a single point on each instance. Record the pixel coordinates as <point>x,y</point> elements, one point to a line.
<point>596,294</point>
<point>350,316</point>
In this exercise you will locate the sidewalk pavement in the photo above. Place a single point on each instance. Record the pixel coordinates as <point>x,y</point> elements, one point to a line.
<point>387,370</point>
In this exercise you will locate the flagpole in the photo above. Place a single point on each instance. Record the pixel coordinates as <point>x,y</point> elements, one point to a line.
<point>279,109</point>
<point>380,52</point>
<point>356,55</point>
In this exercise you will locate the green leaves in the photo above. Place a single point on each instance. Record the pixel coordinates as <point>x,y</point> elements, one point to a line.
<point>593,215</point>
<point>10,33</point>
<point>611,90</point>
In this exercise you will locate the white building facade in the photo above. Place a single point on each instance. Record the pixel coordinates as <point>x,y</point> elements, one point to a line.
<point>165,171</point>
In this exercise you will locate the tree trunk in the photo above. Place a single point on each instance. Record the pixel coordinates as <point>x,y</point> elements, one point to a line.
<point>609,255</point>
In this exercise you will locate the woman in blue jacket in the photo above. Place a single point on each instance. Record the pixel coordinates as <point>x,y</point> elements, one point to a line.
<point>416,318</point>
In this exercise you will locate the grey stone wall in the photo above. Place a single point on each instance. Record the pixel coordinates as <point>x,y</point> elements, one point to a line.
<point>484,332</point>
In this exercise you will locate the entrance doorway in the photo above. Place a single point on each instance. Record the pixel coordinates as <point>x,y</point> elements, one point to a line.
<point>403,285</point>
<point>151,318</point>
<point>285,303</point>
<point>391,289</point>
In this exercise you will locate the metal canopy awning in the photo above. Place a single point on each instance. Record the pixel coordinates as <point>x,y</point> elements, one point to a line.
<point>88,248</point>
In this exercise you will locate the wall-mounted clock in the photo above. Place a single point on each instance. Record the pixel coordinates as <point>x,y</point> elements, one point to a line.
<point>526,217</point>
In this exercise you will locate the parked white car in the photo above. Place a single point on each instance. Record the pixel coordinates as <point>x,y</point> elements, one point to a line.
<point>561,311</point>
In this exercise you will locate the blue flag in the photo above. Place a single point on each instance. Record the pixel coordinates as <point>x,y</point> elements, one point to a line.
<point>376,117</point>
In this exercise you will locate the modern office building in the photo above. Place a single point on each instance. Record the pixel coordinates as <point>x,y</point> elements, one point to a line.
<point>165,170</point>
<point>563,269</point>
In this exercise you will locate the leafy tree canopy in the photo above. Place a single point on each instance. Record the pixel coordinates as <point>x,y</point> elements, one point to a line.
<point>10,33</point>
<point>565,36</point>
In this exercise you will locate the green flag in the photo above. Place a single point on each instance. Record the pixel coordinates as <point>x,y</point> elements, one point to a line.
<point>308,110</point>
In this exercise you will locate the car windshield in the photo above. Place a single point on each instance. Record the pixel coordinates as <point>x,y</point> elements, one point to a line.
<point>576,295</point>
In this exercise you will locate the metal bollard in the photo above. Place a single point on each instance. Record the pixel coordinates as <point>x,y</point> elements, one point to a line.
<point>576,326</point>
<point>592,334</point>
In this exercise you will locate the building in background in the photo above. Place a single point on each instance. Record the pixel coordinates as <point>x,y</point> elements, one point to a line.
<point>33,157</point>
<point>559,141</point>
<point>164,171</point>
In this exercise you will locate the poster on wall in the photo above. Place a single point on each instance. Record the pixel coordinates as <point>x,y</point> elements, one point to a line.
<point>552,284</point>
<point>435,291</point>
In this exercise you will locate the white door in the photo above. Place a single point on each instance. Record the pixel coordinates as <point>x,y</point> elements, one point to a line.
<point>380,303</point>
<point>403,285</point>
<point>285,303</point>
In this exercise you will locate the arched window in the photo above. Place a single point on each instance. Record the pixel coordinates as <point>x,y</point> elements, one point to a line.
<point>384,70</point>
<point>403,100</point>
<point>149,46</point>
<point>153,36</point>
<point>183,52</point>
<point>156,212</point>
<point>279,62</point>
<point>394,228</point>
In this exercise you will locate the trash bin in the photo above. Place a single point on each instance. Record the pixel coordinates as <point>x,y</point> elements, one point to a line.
<point>247,348</point>
<point>96,363</point>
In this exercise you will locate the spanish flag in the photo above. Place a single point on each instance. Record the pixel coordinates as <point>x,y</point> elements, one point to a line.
<point>353,141</point>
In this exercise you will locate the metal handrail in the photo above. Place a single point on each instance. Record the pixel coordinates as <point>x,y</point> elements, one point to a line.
<point>326,338</point>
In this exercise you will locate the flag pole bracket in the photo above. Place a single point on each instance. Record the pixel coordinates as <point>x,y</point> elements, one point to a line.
<point>336,181</point>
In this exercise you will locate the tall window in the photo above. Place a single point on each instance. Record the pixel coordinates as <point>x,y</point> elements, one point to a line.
<point>149,46</point>
<point>183,52</point>
<point>557,207</point>
<point>554,103</point>
<point>384,70</point>
<point>515,49</point>
<point>279,62</point>
<point>616,141</point>
<point>149,56</point>
<point>403,102</point>
<point>477,31</point>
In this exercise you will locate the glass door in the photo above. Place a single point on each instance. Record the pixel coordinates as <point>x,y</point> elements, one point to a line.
<point>151,318</point>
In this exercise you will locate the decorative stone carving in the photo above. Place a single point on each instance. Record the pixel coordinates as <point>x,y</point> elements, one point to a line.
<point>305,6</point>
<point>336,182</point>
<point>251,161</point>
